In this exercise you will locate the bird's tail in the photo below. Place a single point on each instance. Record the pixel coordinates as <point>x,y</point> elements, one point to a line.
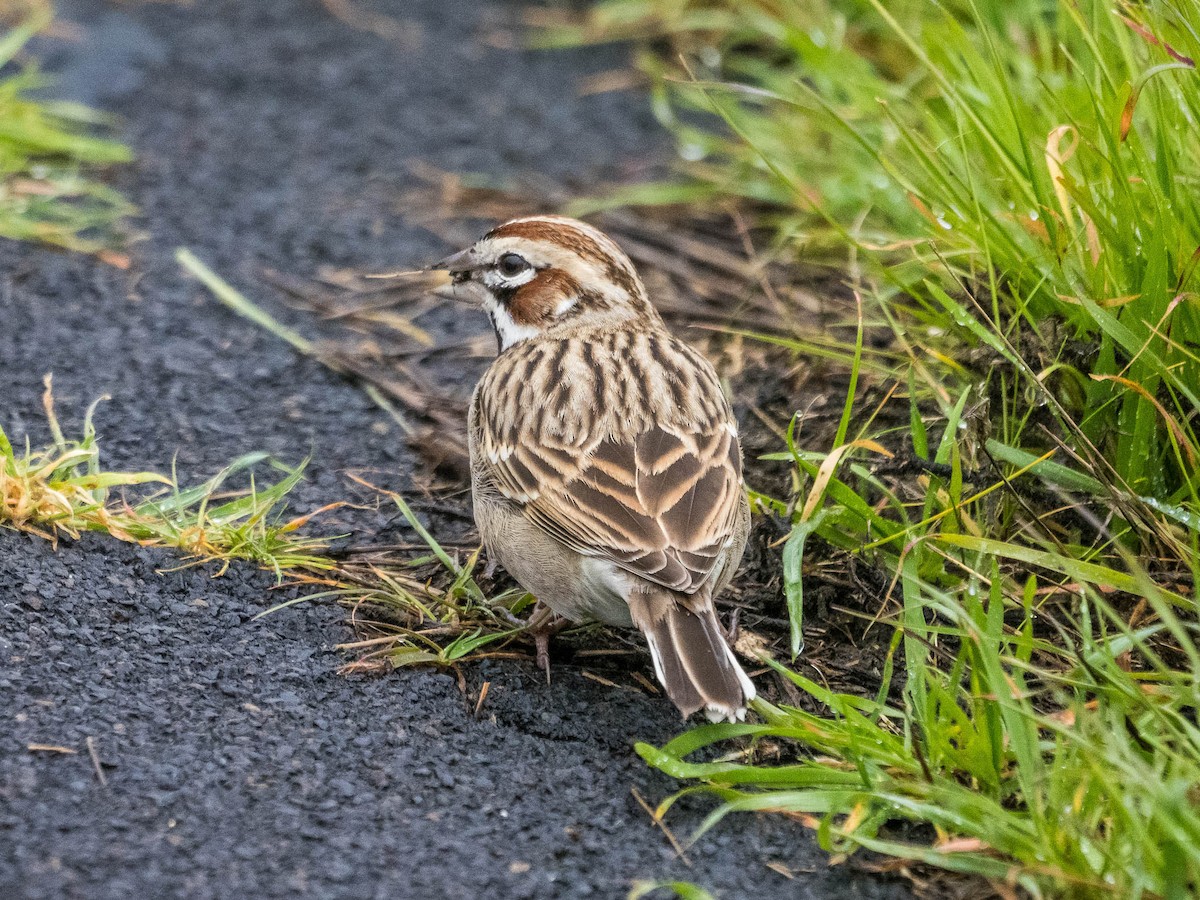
<point>691,657</point>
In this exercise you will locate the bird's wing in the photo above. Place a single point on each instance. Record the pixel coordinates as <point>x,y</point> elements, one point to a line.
<point>662,504</point>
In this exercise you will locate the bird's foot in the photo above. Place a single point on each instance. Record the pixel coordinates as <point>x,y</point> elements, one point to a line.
<point>543,624</point>
<point>541,642</point>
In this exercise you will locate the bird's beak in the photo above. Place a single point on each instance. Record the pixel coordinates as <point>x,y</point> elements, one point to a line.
<point>462,288</point>
<point>461,263</point>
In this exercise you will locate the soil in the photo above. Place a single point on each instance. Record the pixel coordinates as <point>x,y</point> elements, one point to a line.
<point>196,751</point>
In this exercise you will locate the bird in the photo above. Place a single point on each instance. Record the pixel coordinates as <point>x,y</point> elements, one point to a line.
<point>606,470</point>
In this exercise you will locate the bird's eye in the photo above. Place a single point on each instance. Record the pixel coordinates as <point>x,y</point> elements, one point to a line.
<point>512,264</point>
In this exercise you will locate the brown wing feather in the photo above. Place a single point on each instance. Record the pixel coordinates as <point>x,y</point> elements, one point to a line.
<point>661,505</point>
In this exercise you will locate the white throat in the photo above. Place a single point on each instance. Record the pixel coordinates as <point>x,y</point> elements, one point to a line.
<point>508,332</point>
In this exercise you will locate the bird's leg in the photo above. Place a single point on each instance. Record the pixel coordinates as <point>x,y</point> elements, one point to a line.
<point>541,643</point>
<point>543,625</point>
<point>490,569</point>
<point>731,633</point>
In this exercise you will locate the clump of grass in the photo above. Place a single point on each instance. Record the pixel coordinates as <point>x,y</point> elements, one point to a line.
<point>1045,729</point>
<point>1030,172</point>
<point>49,159</point>
<point>63,489</point>
<point>427,609</point>
<point>1014,187</point>
<point>60,489</point>
<point>207,523</point>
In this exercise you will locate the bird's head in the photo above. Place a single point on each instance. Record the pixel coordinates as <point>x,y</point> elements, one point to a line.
<point>548,273</point>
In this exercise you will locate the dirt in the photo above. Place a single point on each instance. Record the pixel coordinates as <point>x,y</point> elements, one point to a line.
<point>198,752</point>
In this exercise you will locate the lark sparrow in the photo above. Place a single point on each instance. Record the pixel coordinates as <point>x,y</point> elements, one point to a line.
<point>605,464</point>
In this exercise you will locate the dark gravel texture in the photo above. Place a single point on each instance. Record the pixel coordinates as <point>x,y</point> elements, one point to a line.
<point>237,762</point>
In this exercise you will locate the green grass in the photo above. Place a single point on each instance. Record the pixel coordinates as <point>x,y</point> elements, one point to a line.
<point>64,490</point>
<point>61,488</point>
<point>427,609</point>
<point>50,157</point>
<point>1013,186</point>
